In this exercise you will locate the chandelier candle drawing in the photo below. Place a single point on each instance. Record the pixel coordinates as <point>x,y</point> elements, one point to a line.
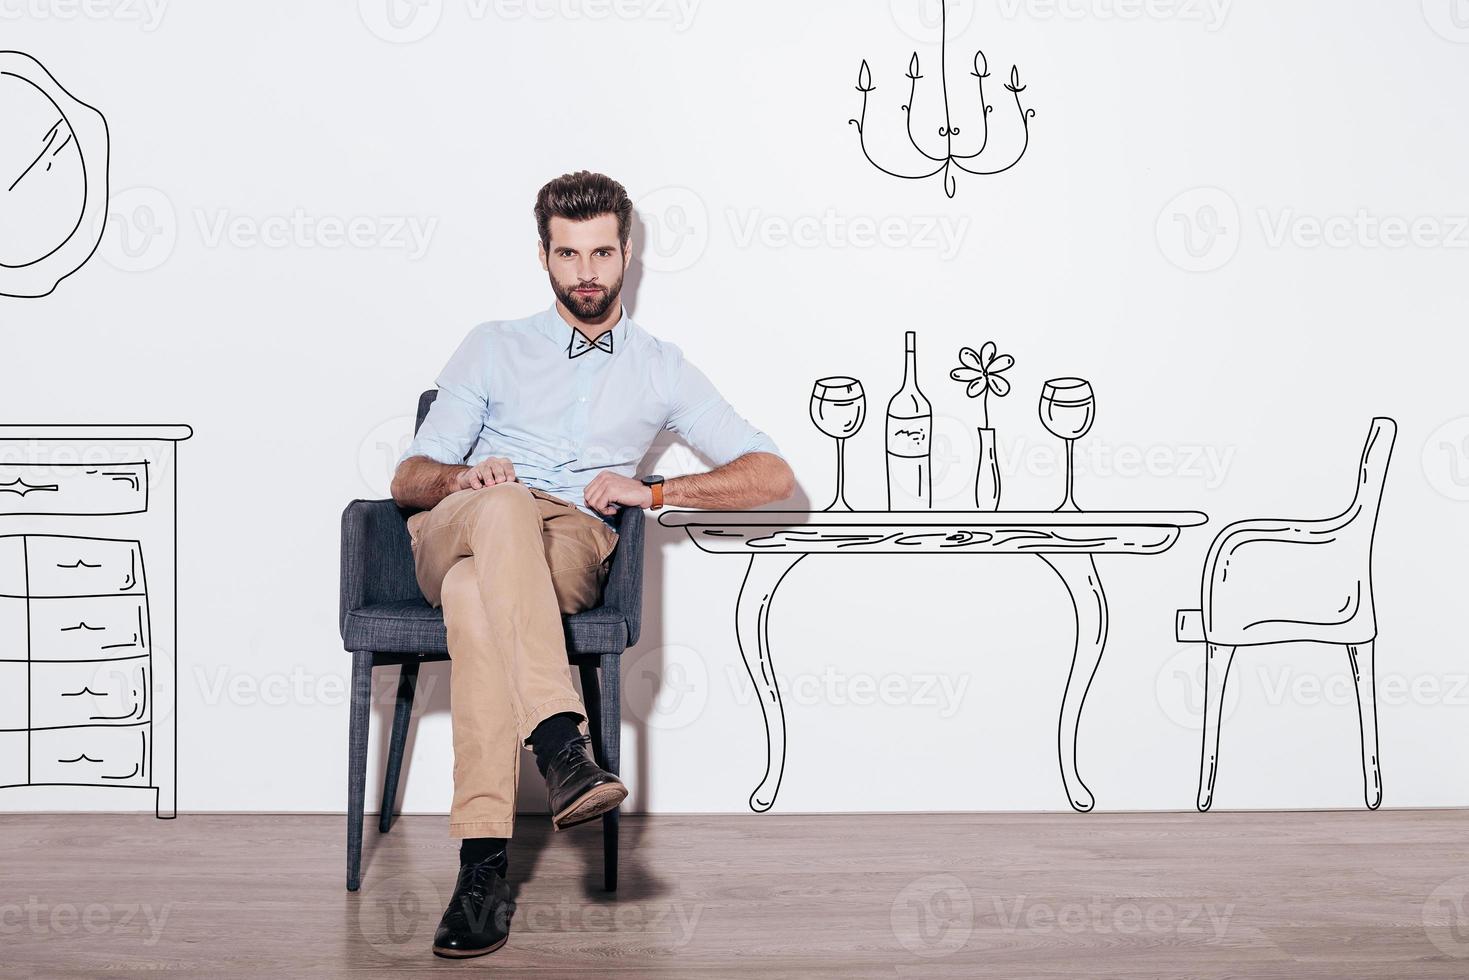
<point>970,163</point>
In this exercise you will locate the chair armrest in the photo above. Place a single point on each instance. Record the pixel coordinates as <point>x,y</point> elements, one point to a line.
<point>624,589</point>
<point>377,557</point>
<point>1269,579</point>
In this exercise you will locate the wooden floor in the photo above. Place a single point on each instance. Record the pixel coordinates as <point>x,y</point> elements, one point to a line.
<point>1292,895</point>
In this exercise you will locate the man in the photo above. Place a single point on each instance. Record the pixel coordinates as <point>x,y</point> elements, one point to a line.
<point>533,441</point>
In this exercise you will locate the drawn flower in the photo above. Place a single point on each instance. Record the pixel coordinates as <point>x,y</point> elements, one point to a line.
<point>983,372</point>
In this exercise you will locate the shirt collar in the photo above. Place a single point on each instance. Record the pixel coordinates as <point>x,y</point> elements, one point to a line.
<point>559,332</point>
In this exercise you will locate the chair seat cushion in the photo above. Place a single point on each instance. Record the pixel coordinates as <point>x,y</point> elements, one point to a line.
<point>413,626</point>
<point>407,626</point>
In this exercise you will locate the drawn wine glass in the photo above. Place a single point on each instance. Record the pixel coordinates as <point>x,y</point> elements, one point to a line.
<point>839,407</point>
<point>1068,409</point>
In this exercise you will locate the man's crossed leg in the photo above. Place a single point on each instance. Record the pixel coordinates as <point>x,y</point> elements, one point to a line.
<point>506,563</point>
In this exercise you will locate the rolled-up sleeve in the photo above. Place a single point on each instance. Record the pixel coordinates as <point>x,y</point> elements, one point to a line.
<point>454,421</point>
<point>708,422</point>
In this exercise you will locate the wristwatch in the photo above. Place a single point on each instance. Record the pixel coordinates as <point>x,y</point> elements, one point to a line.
<point>655,483</point>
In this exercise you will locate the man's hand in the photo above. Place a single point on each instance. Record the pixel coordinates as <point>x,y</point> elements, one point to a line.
<point>487,473</point>
<point>607,490</point>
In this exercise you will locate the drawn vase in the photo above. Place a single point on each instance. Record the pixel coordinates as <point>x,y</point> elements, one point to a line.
<point>987,481</point>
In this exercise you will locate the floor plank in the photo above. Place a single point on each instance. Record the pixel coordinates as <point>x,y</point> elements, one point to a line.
<point>1298,895</point>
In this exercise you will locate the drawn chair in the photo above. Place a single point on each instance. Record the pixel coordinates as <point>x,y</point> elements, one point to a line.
<point>385,620</point>
<point>1288,581</point>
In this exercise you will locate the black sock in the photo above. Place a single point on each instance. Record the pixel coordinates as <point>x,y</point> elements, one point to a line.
<point>473,850</point>
<point>552,735</point>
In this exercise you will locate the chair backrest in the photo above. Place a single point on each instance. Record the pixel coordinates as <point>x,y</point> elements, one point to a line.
<point>425,402</point>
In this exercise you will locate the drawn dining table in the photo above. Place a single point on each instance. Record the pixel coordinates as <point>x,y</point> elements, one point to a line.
<point>777,541</point>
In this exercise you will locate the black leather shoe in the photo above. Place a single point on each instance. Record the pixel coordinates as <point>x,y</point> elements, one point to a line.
<point>580,790</point>
<point>477,920</point>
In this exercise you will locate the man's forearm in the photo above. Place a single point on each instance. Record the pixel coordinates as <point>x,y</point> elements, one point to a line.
<point>420,483</point>
<point>752,480</point>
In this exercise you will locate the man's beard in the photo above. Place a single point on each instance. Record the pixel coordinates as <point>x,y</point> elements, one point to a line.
<point>588,309</point>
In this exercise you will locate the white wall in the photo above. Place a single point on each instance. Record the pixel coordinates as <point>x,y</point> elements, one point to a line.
<point>298,364</point>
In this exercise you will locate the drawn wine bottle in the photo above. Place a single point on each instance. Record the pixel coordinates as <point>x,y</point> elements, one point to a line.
<point>910,422</point>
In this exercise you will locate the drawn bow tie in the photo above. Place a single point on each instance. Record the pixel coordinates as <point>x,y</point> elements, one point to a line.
<point>580,344</point>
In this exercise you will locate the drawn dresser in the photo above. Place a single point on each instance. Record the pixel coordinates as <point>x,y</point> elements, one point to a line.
<point>88,569</point>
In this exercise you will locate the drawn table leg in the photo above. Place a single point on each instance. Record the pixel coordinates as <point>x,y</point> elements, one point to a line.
<point>752,630</point>
<point>1079,572</point>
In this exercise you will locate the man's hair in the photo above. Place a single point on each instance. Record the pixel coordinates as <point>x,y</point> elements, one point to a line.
<point>580,197</point>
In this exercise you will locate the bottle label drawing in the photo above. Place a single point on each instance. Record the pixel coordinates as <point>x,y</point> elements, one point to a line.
<point>909,426</point>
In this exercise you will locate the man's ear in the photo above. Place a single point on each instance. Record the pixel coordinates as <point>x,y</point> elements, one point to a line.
<point>627,253</point>
<point>541,248</point>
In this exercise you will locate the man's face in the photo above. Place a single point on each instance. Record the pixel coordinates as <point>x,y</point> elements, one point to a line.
<point>586,262</point>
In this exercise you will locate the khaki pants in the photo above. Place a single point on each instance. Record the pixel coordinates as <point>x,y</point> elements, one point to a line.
<point>505,562</point>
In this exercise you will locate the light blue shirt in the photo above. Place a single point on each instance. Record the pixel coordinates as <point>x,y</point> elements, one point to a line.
<point>512,389</point>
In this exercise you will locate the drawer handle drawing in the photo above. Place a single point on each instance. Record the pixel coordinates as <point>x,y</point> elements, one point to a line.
<point>83,626</point>
<point>137,765</point>
<point>137,640</point>
<point>131,479</point>
<point>138,711</point>
<point>127,583</point>
<point>26,488</point>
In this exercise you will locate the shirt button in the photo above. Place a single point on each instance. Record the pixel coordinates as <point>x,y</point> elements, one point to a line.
<point>582,398</point>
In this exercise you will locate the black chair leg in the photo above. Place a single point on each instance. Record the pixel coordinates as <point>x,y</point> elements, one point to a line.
<point>407,685</point>
<point>592,698</point>
<point>357,763</point>
<point>610,719</point>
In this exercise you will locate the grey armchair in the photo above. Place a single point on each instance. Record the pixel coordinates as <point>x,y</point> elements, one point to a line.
<point>385,620</point>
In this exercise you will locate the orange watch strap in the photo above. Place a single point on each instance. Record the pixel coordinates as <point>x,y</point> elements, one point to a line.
<point>657,496</point>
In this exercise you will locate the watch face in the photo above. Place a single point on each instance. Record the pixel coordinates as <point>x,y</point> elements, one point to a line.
<point>53,179</point>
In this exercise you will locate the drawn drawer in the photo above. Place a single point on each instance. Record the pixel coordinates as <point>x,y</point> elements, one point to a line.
<point>93,628</point>
<point>13,565</point>
<point>13,640</point>
<point>93,756</point>
<point>99,692</point>
<point>13,758</point>
<point>13,680</point>
<point>73,488</point>
<point>66,566</point>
